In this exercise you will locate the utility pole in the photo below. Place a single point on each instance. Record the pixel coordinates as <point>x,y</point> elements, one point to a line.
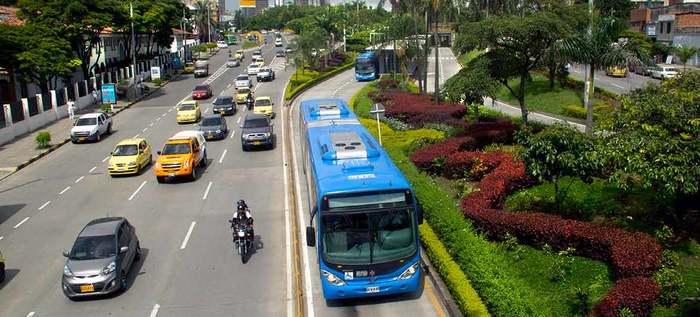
<point>209,22</point>
<point>133,38</point>
<point>589,77</point>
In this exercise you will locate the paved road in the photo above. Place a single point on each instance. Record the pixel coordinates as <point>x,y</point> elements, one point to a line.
<point>43,207</point>
<point>448,66</point>
<point>618,85</point>
<point>424,304</point>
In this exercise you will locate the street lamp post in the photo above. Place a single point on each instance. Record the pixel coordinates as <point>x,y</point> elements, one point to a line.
<point>208,22</point>
<point>133,39</point>
<point>378,110</point>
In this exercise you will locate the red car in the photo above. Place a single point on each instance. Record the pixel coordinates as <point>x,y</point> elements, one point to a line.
<point>201,92</point>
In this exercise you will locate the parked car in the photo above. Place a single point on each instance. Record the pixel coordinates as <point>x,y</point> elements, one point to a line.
<point>188,112</point>
<point>224,105</point>
<point>233,62</point>
<point>181,155</point>
<point>265,74</point>
<point>201,92</point>
<point>100,259</point>
<point>280,53</point>
<point>664,71</point>
<point>253,69</point>
<point>91,127</point>
<point>243,81</point>
<point>213,126</point>
<point>288,50</point>
<point>256,130</point>
<point>129,157</point>
<point>221,44</point>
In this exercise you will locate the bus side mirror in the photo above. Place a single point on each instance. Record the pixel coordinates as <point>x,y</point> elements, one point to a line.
<point>310,236</point>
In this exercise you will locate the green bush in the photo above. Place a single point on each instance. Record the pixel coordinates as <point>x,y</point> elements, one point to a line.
<point>670,283</point>
<point>43,139</point>
<point>582,201</point>
<point>106,107</point>
<point>574,111</point>
<point>462,291</point>
<point>296,86</point>
<point>157,82</point>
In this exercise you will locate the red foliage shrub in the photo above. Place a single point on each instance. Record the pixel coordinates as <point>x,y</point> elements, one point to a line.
<point>424,158</point>
<point>636,293</point>
<point>418,109</point>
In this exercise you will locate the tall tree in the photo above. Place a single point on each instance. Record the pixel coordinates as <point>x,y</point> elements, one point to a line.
<point>471,84</point>
<point>685,53</point>
<point>45,56</point>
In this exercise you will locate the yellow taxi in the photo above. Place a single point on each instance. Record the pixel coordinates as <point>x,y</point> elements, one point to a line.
<point>129,157</point>
<point>240,55</point>
<point>616,71</point>
<point>241,94</point>
<point>189,112</point>
<point>263,105</point>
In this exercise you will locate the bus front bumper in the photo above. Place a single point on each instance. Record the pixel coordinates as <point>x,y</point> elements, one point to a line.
<point>363,288</point>
<point>361,77</point>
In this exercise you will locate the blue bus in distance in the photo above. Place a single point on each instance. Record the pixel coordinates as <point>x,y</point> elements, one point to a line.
<point>367,66</point>
<point>365,211</point>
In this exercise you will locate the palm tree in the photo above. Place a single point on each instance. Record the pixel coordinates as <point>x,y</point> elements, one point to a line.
<point>685,52</point>
<point>202,19</point>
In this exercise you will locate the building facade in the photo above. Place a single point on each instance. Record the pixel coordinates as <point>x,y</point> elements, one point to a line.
<point>676,23</point>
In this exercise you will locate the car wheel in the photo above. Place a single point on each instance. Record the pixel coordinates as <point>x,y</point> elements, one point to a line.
<point>137,256</point>
<point>204,161</point>
<point>193,175</point>
<point>99,136</point>
<point>160,179</point>
<point>109,129</point>
<point>74,141</point>
<point>123,280</point>
<point>244,148</point>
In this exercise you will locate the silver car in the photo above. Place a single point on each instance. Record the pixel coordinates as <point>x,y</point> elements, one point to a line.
<point>100,259</point>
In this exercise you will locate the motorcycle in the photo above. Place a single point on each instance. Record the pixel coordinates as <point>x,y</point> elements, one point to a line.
<point>249,103</point>
<point>242,240</point>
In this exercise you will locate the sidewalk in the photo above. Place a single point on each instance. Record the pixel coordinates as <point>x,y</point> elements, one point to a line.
<point>23,150</point>
<point>547,119</point>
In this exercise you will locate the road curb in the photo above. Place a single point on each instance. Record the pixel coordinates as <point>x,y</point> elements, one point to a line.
<point>63,142</point>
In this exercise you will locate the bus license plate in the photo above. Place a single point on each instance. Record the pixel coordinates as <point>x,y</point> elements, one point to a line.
<point>87,288</point>
<point>371,290</point>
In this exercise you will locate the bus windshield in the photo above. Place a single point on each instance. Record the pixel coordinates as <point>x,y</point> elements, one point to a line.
<point>366,238</point>
<point>364,66</point>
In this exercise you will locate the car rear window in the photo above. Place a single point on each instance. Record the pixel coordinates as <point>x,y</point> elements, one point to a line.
<point>255,123</point>
<point>200,87</point>
<point>186,107</point>
<point>211,122</point>
<point>223,100</point>
<point>262,103</point>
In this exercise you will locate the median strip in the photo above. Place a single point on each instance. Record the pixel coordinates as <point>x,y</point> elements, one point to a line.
<point>137,190</point>
<point>187,236</point>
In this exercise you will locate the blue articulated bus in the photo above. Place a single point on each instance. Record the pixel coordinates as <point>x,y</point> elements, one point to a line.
<point>363,212</point>
<point>367,66</point>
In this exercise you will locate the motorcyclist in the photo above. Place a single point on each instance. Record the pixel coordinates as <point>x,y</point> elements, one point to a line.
<point>249,101</point>
<point>242,216</point>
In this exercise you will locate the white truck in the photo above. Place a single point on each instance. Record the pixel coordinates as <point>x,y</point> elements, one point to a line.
<point>201,69</point>
<point>91,127</point>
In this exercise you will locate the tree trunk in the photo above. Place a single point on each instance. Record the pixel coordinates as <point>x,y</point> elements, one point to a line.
<point>521,97</point>
<point>552,75</point>
<point>419,69</point>
<point>425,57</point>
<point>587,95</point>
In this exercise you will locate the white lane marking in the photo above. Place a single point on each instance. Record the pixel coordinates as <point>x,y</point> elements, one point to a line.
<point>287,223</point>
<point>170,110</point>
<point>136,136</point>
<point>301,215</point>
<point>79,179</point>
<point>150,125</point>
<point>137,190</point>
<point>21,222</point>
<point>64,190</point>
<point>31,314</point>
<point>256,87</point>
<point>164,114</point>
<point>618,86</point>
<point>206,192</point>
<point>187,236</point>
<point>206,110</point>
<point>46,203</point>
<point>92,169</point>
<point>154,312</point>
<point>335,92</point>
<point>144,130</point>
<point>104,159</point>
<point>222,156</point>
<point>232,134</point>
<point>158,119</point>
<point>1,237</point>
<point>238,121</point>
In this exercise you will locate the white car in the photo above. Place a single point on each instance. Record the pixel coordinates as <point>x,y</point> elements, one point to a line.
<point>265,74</point>
<point>221,44</point>
<point>664,71</point>
<point>233,62</point>
<point>278,42</point>
<point>256,55</point>
<point>243,81</point>
<point>91,127</point>
<point>253,69</point>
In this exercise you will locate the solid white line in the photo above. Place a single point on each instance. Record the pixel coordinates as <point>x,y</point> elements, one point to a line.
<point>64,190</point>
<point>239,120</point>
<point>222,156</point>
<point>232,134</point>
<point>79,179</point>
<point>31,314</point>
<point>154,312</point>
<point>21,222</point>
<point>287,223</point>
<point>47,203</point>
<point>92,169</point>
<point>187,236</point>
<point>618,86</point>
<point>104,159</point>
<point>137,190</point>
<point>144,130</point>
<point>206,192</point>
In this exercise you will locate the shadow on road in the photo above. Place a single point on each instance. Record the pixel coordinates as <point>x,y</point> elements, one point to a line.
<point>7,211</point>
<point>350,303</point>
<point>9,276</point>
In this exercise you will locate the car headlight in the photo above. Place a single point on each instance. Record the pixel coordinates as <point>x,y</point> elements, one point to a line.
<point>109,268</point>
<point>93,131</point>
<point>218,130</point>
<point>132,163</point>
<point>332,278</point>
<point>157,165</point>
<point>67,272</point>
<point>187,164</point>
<point>409,272</point>
<point>267,134</point>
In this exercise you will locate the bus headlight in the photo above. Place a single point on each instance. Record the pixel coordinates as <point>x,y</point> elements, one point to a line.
<point>332,278</point>
<point>409,272</point>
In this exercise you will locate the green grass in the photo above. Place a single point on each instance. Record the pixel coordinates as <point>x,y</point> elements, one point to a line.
<point>249,44</point>
<point>360,102</point>
<point>465,58</point>
<point>539,97</point>
<point>689,267</point>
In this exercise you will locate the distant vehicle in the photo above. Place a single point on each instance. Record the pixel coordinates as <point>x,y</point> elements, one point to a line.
<point>101,257</point>
<point>256,130</point>
<point>181,155</point>
<point>263,105</point>
<point>201,92</point>
<point>257,54</point>
<point>221,44</point>
<point>240,54</point>
<point>664,71</point>
<point>231,39</point>
<point>641,69</point>
<point>188,112</point>
<point>314,52</point>
<point>91,127</point>
<point>265,74</point>
<point>201,69</point>
<point>233,62</point>
<point>258,60</point>
<point>242,95</point>
<point>213,126</point>
<point>224,105</point>
<point>366,212</point>
<point>280,53</point>
<point>129,157</point>
<point>243,80</point>
<point>253,69</point>
<point>616,71</point>
<point>288,50</point>
<point>366,66</point>
<point>278,42</point>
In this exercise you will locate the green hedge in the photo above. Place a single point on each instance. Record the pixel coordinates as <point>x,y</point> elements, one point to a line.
<point>466,297</point>
<point>579,112</point>
<point>290,93</point>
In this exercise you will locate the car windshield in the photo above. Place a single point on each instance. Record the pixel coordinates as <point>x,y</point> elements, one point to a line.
<point>208,122</point>
<point>176,148</point>
<point>200,87</point>
<point>243,91</point>
<point>186,107</point>
<point>365,238</point>
<point>254,66</point>
<point>86,121</point>
<point>126,150</point>
<point>242,77</point>
<point>364,66</point>
<point>223,100</point>
<point>93,248</point>
<point>262,103</point>
<point>670,69</point>
<point>255,123</point>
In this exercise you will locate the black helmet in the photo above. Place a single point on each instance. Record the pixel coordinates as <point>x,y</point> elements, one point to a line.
<point>241,205</point>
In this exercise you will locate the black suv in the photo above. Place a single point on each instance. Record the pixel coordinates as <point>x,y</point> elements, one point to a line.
<point>256,130</point>
<point>224,105</point>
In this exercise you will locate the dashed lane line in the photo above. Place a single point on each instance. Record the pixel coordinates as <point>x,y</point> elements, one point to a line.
<point>92,169</point>
<point>206,192</point>
<point>187,236</point>
<point>31,314</point>
<point>105,159</point>
<point>222,156</point>
<point>136,136</point>
<point>232,134</point>
<point>79,179</point>
<point>64,190</point>
<point>21,222</point>
<point>144,130</point>
<point>137,190</point>
<point>44,205</point>
<point>154,311</point>
<point>238,121</point>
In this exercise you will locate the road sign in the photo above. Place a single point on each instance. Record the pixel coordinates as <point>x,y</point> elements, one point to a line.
<point>378,110</point>
<point>109,93</point>
<point>155,72</point>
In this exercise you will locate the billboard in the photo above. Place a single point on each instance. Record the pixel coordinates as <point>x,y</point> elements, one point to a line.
<point>109,93</point>
<point>247,3</point>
